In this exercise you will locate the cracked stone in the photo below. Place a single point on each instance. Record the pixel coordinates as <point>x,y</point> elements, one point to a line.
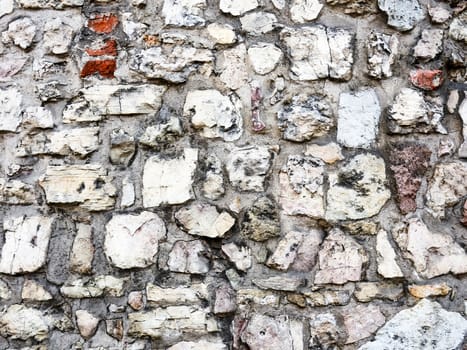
<point>213,184</point>
<point>26,243</point>
<point>258,23</point>
<point>240,256</point>
<point>94,287</point>
<point>237,7</point>
<point>383,51</point>
<point>302,11</point>
<point>261,220</point>
<point>33,291</point>
<point>185,13</point>
<point>264,57</point>
<point>458,28</point>
<point>20,322</point>
<point>386,258</point>
<point>361,321</point>
<point>140,232</point>
<point>214,114</point>
<point>403,15</point>
<point>16,192</point>
<point>329,153</point>
<point>82,251</point>
<point>189,257</point>
<point>122,147</point>
<point>37,118</point>
<point>193,295</point>
<point>358,132</point>
<point>222,33</point>
<point>231,67</point>
<point>286,251</point>
<point>169,180</point>
<point>429,290</point>
<point>429,45</point>
<point>21,32</point>
<point>87,323</point>
<point>367,291</point>
<point>10,109</point>
<point>57,36</point>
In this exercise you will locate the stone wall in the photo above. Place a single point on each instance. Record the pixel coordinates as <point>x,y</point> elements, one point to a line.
<point>233,174</point>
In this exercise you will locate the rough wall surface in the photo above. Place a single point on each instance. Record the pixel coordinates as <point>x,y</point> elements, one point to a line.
<point>233,174</point>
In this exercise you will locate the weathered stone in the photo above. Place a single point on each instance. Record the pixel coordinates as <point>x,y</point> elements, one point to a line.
<point>87,323</point>
<point>383,51</point>
<point>213,184</point>
<point>264,57</point>
<point>231,67</point>
<point>57,36</point>
<point>21,32</point>
<point>16,192</point>
<point>11,67</point>
<point>464,215</point>
<point>463,114</point>
<point>402,14</point>
<point>304,118</point>
<point>438,13</point>
<point>302,186</point>
<point>87,186</point>
<point>327,298</point>
<point>457,29</point>
<point>429,290</point>
<point>261,220</point>
<point>358,189</point>
<point>20,322</point>
<point>246,296</point>
<point>248,167</point>
<point>355,7</point>
<point>122,147</point>
<point>367,291</point>
<point>446,187</point>
<point>214,114</point>
<point>361,321</point>
<point>426,79</point>
<point>5,292</point>
<point>114,328</point>
<point>286,251</point>
<point>37,118</point>
<point>362,227</point>
<point>302,11</point>
<point>258,23</point>
<point>128,193</point>
<point>429,45</point>
<point>82,252</point>
<point>189,257</point>
<point>409,164</point>
<point>307,251</point>
<point>33,291</point>
<point>425,326</point>
<point>103,23</point>
<point>237,7</point>
<point>49,4</point>
<point>240,256</point>
<point>199,345</point>
<point>163,297</point>
<point>105,68</point>
<point>329,153</point>
<point>358,132</point>
<point>326,330</point>
<point>7,8</point>
<point>94,287</point>
<point>224,300</point>
<point>79,111</point>
<point>283,283</point>
<point>10,109</point>
<point>185,13</point>
<point>26,243</point>
<point>167,130</point>
<point>341,259</point>
<point>50,91</point>
<point>221,33</point>
<point>433,254</point>
<point>169,180</point>
<point>135,300</point>
<point>133,240</point>
<point>386,258</point>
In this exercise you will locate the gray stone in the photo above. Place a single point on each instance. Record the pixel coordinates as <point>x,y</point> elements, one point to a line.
<point>57,36</point>
<point>20,322</point>
<point>264,57</point>
<point>402,14</point>
<point>429,45</point>
<point>10,109</point>
<point>237,7</point>
<point>240,256</point>
<point>438,13</point>
<point>463,115</point>
<point>82,252</point>
<point>185,13</point>
<point>167,129</point>
<point>213,184</point>
<point>283,283</point>
<point>16,192</point>
<point>224,300</point>
<point>383,51</point>
<point>258,23</point>
<point>231,67</point>
<point>302,11</point>
<point>122,147</point>
<point>368,291</point>
<point>5,292</point>
<point>189,257</point>
<point>457,29</point>
<point>361,321</point>
<point>21,32</point>
<point>326,330</point>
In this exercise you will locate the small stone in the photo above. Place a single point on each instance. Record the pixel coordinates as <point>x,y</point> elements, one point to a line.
<point>261,220</point>
<point>214,114</point>
<point>326,330</point>
<point>20,322</point>
<point>258,23</point>
<point>302,11</point>
<point>463,114</point>
<point>438,14</point>
<point>304,118</point>
<point>185,13</point>
<point>358,132</point>
<point>367,291</point>
<point>412,112</point>
<point>50,91</point>
<point>140,232</point>
<point>21,32</point>
<point>264,332</point>
<point>286,251</point>
<point>327,298</point>
<point>37,118</point>
<point>240,256</point>
<point>355,7</point>
<point>57,36</point>
<point>361,322</point>
<point>105,68</point>
<point>114,328</point>
<point>189,257</point>
<point>361,227</point>
<point>283,283</point>
<point>7,8</point>
<point>429,290</point>
<point>307,251</point>
<point>33,291</point>
<point>415,328</point>
<point>453,101</point>
<point>237,7</point>
<point>247,168</point>
<point>341,51</point>
<point>26,243</point>
<point>128,193</point>
<point>107,48</point>
<point>10,109</point>
<point>402,14</point>
<point>231,66</point>
<point>302,186</point>
<point>122,147</point>
<point>427,79</point>
<point>93,287</point>
<point>159,296</point>
<point>199,345</point>
<point>386,258</point>
<point>166,130</point>
<point>257,297</point>
<point>78,111</point>
<point>11,67</point>
<point>429,45</point>
<point>341,259</point>
<point>135,300</point>
<point>383,51</point>
<point>222,33</point>
<point>458,28</point>
<point>224,300</point>
<point>16,192</point>
<point>213,184</point>
<point>169,180</point>
<point>87,323</point>
<point>82,252</point>
<point>296,299</point>
<point>5,292</point>
<point>49,4</point>
<point>264,57</point>
<point>329,153</point>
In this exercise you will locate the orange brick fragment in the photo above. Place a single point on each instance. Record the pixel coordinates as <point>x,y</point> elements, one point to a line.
<point>106,68</point>
<point>103,23</point>
<point>109,49</point>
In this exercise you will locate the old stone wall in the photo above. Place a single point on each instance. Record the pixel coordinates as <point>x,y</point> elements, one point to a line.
<point>233,174</point>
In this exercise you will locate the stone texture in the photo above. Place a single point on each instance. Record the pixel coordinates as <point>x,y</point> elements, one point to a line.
<point>21,32</point>
<point>33,291</point>
<point>57,36</point>
<point>231,67</point>
<point>122,147</point>
<point>199,345</point>
<point>93,287</point>
<point>186,13</point>
<point>20,322</point>
<point>237,8</point>
<point>37,118</point>
<point>368,291</point>
<point>87,323</point>
<point>302,11</point>
<point>402,15</point>
<point>429,290</point>
<point>221,33</point>
<point>429,45</point>
<point>224,300</point>
<point>163,297</point>
<point>240,256</point>
<point>10,111</point>
<point>361,321</point>
<point>261,220</point>
<point>213,185</point>
<point>82,252</point>
<point>457,29</point>
<point>329,153</point>
<point>189,257</point>
<point>327,298</point>
<point>326,330</point>
<point>427,79</point>
<point>463,114</point>
<point>16,192</point>
<point>166,130</point>
<point>283,283</point>
<point>383,51</point>
<point>258,23</point>
<point>264,57</point>
<point>7,8</point>
<point>386,258</point>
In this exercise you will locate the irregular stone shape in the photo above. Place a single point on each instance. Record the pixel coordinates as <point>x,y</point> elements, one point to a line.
<point>286,251</point>
<point>446,187</point>
<point>329,153</point>
<point>409,163</point>
<point>7,8</point>
<point>103,23</point>
<point>427,79</point>
<point>438,13</point>
<point>464,218</point>
<point>80,141</point>
<point>169,180</point>
<point>261,220</point>
<point>189,257</point>
<point>124,99</point>
<point>383,51</point>
<point>258,23</point>
<point>122,147</point>
<point>20,322</point>
<point>57,36</point>
<point>185,13</point>
<point>135,300</point>
<point>237,7</point>
<point>221,33</point>
<point>289,284</point>
<point>358,189</point>
<point>355,7</point>
<point>302,186</point>
<point>264,57</point>
<point>79,111</point>
<point>367,291</point>
<point>26,243</point>
<point>94,287</point>
<point>341,259</point>
<point>141,233</point>
<point>457,29</point>
<point>247,168</point>
<point>326,330</point>
<point>33,291</point>
<point>361,322</point>
<point>358,132</point>
<point>318,52</point>
<point>114,328</point>
<point>213,184</point>
<point>5,292</point>
<point>46,4</point>
<point>224,300</point>
<point>86,186</point>
<point>174,64</point>
<point>199,345</point>
<point>463,114</point>
<point>402,14</point>
<point>257,297</point>
<point>412,112</point>
<point>107,48</point>
<point>16,192</point>
<point>202,219</point>
<point>327,297</point>
<point>50,91</point>
<point>307,251</point>
<point>87,323</point>
<point>21,32</point>
<point>82,252</point>
<point>429,290</point>
<point>10,109</point>
<point>433,254</point>
<point>159,296</point>
<point>231,67</point>
<point>429,45</point>
<point>304,118</point>
<point>166,130</point>
<point>240,256</point>
<point>10,67</point>
<point>128,193</point>
<point>425,326</point>
<point>362,227</point>
<point>302,11</point>
<point>386,258</point>
<point>214,114</point>
<point>37,118</point>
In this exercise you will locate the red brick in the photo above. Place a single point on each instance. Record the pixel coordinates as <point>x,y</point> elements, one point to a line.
<point>426,79</point>
<point>106,68</point>
<point>103,23</point>
<point>109,49</point>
